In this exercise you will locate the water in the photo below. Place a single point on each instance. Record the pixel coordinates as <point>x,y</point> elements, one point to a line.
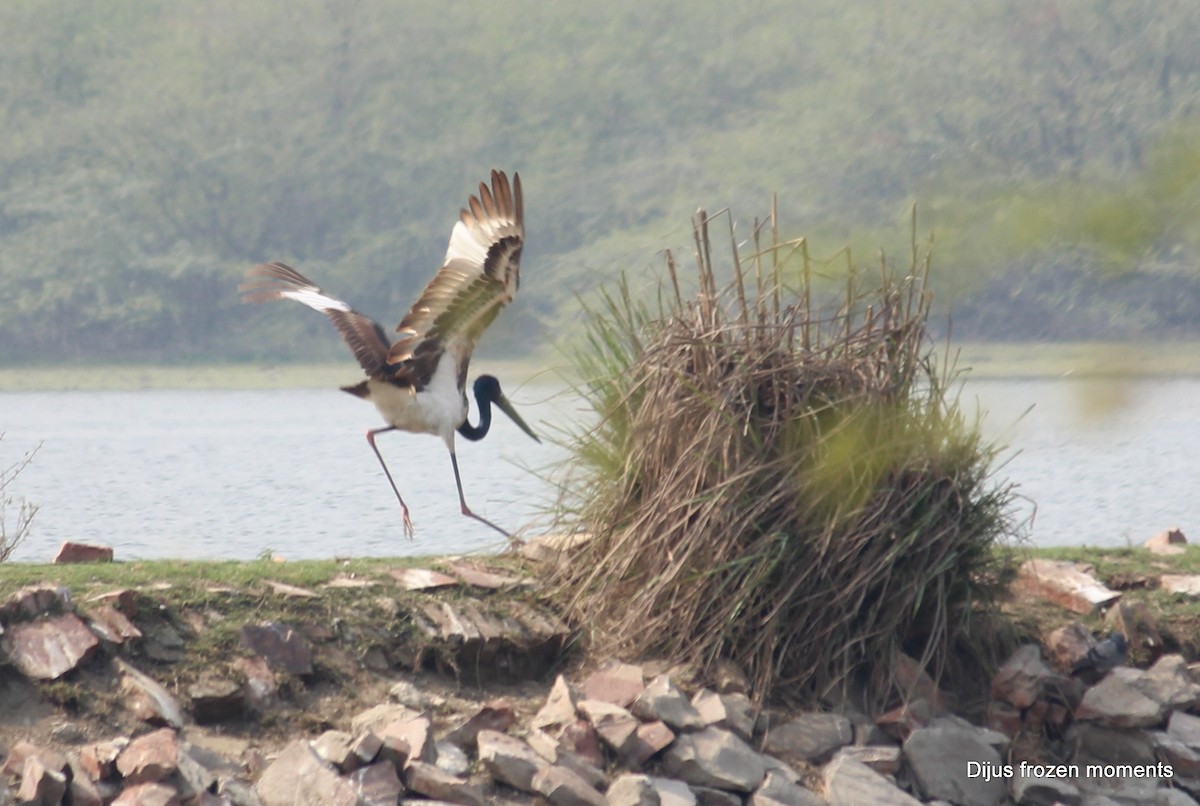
<point>230,474</point>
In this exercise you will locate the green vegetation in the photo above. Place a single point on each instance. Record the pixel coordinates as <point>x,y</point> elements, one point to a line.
<point>155,151</point>
<point>761,461</point>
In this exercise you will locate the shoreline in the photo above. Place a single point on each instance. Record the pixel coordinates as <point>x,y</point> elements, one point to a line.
<point>973,360</point>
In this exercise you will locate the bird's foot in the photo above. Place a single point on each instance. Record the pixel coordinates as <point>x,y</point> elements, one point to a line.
<point>408,527</point>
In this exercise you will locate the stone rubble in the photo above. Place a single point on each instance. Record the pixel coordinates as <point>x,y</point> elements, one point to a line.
<point>618,734</point>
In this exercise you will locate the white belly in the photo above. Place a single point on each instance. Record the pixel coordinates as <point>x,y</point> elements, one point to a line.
<point>439,409</point>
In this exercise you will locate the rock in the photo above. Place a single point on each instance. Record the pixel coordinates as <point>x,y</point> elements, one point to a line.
<point>147,699</point>
<point>150,758</point>
<point>707,796</point>
<point>365,747</point>
<point>1024,678</point>
<point>110,624</point>
<point>284,649</point>
<point>1173,797</point>
<point>300,777</point>
<point>650,738</point>
<point>883,759</point>
<point>31,602</point>
<point>1064,583</point>
<point>21,752</point>
<point>70,552</point>
<point>732,711</point>
<point>408,740</point>
<point>810,737</point>
<point>479,576</point>
<point>81,790</point>
<point>49,647</point>
<point>376,785</point>
<point>562,787</point>
<point>215,699</point>
<point>559,709</point>
<point>776,790</point>
<point>662,701</point>
<point>452,759</point>
<point>334,747</point>
<point>716,758</point>
<point>1004,718</point>
<point>122,599</point>
<point>422,579</point>
<point>294,591</point>
<point>1044,792</point>
<point>150,794</point>
<point>615,726</point>
<point>900,722</point>
<point>260,687</point>
<point>1068,645</point>
<point>617,684</point>
<point>378,717</point>
<point>1184,760</point>
<point>496,715</point>
<point>239,792</point>
<point>1140,698</point>
<point>192,779</point>
<point>1183,584</point>
<point>849,782</point>
<point>509,760</point>
<point>99,759</point>
<point>633,790</point>
<point>1121,790</point>
<point>1171,541</point>
<point>428,780</point>
<point>162,642</point>
<point>484,642</point>
<point>938,756</point>
<point>40,783</point>
<point>1095,744</point>
<point>1184,727</point>
<point>556,753</point>
<point>407,693</point>
<point>581,738</point>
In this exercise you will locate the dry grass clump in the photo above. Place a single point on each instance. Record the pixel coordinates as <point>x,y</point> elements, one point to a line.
<point>790,490</point>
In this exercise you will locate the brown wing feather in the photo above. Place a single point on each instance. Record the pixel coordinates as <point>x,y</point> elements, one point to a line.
<point>480,275</point>
<point>368,340</point>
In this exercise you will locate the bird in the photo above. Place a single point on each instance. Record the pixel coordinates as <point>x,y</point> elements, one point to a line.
<point>418,382</point>
<point>1104,656</point>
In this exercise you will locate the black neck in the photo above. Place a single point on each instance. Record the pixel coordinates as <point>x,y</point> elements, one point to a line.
<point>478,432</point>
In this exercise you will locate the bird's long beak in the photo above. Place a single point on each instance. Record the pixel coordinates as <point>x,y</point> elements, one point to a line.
<point>506,407</point>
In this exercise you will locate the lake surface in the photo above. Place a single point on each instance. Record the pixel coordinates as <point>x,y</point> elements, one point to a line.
<point>231,474</point>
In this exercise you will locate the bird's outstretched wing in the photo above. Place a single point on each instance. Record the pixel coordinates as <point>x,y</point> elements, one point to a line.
<point>368,340</point>
<point>479,276</point>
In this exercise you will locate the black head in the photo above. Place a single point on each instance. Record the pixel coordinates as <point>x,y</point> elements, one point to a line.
<point>486,387</point>
<point>487,391</point>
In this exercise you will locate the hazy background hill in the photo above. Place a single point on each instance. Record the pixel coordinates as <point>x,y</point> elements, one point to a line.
<point>154,151</point>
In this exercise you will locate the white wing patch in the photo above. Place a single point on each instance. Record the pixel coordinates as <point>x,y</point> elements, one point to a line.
<point>465,246</point>
<point>313,298</point>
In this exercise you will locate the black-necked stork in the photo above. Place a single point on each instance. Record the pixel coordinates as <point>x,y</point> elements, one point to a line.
<point>419,382</point>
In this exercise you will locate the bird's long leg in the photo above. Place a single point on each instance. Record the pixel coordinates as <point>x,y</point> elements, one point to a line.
<point>466,510</point>
<point>408,527</point>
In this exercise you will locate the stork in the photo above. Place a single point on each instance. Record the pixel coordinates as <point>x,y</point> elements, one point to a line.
<point>418,382</point>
